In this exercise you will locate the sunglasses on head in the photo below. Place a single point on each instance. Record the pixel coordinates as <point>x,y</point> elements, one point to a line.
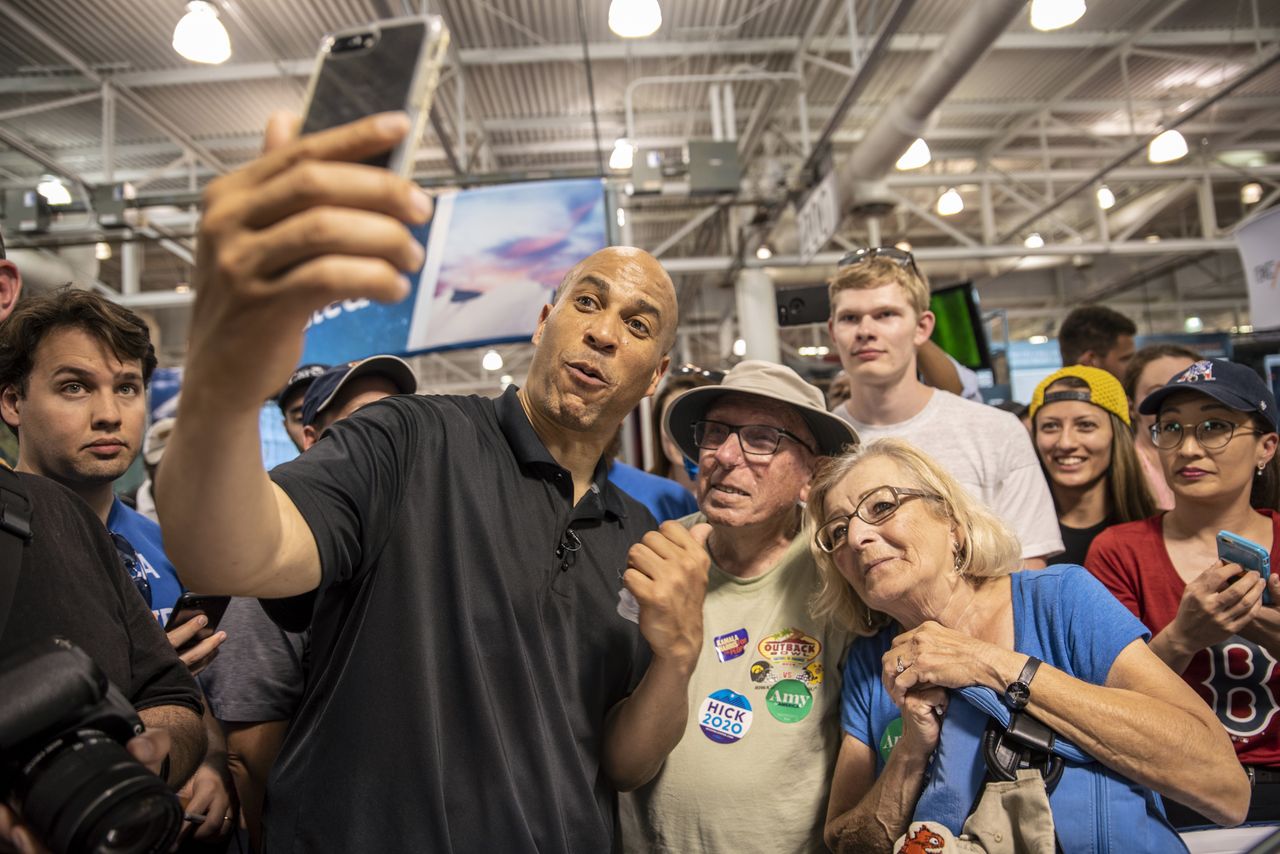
<point>898,256</point>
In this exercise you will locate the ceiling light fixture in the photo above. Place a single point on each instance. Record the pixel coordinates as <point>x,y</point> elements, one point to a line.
<point>950,203</point>
<point>1193,324</point>
<point>740,347</point>
<point>914,157</point>
<point>623,156</point>
<point>903,245</point>
<point>1034,241</point>
<point>764,253</point>
<point>1038,339</point>
<point>1106,198</point>
<point>102,251</point>
<point>200,36</point>
<point>1055,14</point>
<point>1167,147</point>
<point>54,191</point>
<point>622,218</point>
<point>492,361</point>
<point>635,19</point>
<point>1251,194</point>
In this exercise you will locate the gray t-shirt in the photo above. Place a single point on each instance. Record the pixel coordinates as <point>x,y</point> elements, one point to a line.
<point>990,453</point>
<point>259,672</point>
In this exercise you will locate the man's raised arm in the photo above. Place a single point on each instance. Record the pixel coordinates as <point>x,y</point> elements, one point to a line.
<point>304,225</point>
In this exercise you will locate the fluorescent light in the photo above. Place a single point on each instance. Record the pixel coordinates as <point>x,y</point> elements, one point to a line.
<point>1193,324</point>
<point>950,203</point>
<point>1251,194</point>
<point>54,191</point>
<point>1034,241</point>
<point>1167,147</point>
<point>182,288</point>
<point>740,347</point>
<point>492,361</point>
<point>914,157</point>
<point>903,245</point>
<point>1055,14</point>
<point>635,19</point>
<point>1246,328</point>
<point>622,157</point>
<point>764,253</point>
<point>1038,339</point>
<point>1152,238</point>
<point>200,36</point>
<point>1106,198</point>
<point>506,380</point>
<point>102,251</point>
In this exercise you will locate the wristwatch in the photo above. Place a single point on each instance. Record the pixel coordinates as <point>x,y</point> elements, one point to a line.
<point>1018,694</point>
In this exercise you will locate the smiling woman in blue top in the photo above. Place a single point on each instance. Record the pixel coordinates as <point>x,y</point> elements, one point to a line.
<point>908,558</point>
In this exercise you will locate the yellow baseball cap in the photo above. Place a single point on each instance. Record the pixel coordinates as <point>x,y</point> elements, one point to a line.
<point>1104,391</point>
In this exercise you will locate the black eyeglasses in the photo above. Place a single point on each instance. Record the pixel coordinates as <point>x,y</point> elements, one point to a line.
<point>690,370</point>
<point>1211,434</point>
<point>760,440</point>
<point>898,256</point>
<point>129,557</point>
<point>876,507</point>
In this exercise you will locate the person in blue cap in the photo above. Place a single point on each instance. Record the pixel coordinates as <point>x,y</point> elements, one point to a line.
<point>1215,430</point>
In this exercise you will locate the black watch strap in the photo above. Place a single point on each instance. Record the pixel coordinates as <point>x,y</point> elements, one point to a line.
<point>1018,694</point>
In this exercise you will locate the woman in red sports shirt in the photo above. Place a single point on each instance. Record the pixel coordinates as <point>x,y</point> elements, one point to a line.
<point>1216,433</point>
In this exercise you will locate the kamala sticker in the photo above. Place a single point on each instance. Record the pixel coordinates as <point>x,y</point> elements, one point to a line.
<point>889,738</point>
<point>725,716</point>
<point>730,646</point>
<point>789,701</point>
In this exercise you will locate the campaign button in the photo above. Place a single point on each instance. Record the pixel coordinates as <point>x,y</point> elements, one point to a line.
<point>789,701</point>
<point>725,716</point>
<point>730,646</point>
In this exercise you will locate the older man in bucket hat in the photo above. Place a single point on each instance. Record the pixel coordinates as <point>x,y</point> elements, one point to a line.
<point>755,761</point>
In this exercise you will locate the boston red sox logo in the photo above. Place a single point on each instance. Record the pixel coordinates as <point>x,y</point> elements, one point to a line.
<point>1239,672</point>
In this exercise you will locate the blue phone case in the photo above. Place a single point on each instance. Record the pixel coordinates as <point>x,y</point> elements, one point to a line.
<point>1233,548</point>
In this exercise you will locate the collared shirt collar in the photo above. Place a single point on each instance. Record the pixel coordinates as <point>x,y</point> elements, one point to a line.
<point>531,453</point>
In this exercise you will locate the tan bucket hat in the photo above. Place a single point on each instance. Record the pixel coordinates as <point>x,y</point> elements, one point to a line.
<point>772,382</point>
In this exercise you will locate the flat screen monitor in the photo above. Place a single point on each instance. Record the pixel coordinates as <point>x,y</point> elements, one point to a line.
<point>959,329</point>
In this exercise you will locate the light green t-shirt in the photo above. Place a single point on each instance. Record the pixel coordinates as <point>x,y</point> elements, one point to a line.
<point>753,770</point>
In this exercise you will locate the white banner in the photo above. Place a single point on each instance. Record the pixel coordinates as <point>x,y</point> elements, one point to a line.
<point>1259,241</point>
<point>818,218</point>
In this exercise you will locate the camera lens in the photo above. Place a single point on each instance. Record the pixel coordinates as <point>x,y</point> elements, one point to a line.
<point>85,793</point>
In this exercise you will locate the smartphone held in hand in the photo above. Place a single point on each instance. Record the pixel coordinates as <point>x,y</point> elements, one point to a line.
<point>380,67</point>
<point>1233,548</point>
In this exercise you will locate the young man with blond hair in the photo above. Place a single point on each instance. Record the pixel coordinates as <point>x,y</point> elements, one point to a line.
<point>879,318</point>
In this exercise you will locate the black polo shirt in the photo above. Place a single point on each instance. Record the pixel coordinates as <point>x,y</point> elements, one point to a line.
<point>465,638</point>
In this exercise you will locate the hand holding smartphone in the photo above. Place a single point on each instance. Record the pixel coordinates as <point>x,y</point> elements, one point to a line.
<point>1233,548</point>
<point>381,67</point>
<point>191,605</point>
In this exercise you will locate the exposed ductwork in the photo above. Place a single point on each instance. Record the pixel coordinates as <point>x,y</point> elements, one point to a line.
<point>906,116</point>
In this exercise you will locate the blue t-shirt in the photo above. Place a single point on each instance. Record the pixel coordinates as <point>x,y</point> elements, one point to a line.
<point>1067,619</point>
<point>1062,615</point>
<point>144,535</point>
<point>665,499</point>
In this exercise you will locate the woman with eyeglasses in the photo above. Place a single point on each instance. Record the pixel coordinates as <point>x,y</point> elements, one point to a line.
<point>1080,427</point>
<point>1215,429</point>
<point>1148,370</point>
<point>954,635</point>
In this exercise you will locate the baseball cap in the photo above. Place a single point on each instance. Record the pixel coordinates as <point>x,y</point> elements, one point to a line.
<point>325,388</point>
<point>299,381</point>
<point>157,437</point>
<point>1104,391</point>
<point>1233,385</point>
<point>772,382</point>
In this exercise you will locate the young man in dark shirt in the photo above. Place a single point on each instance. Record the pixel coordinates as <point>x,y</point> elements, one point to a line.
<point>70,583</point>
<point>459,560</point>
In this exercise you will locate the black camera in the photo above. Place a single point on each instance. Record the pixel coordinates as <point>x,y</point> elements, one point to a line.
<point>63,765</point>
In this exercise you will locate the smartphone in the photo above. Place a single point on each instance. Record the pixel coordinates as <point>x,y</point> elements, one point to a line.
<point>189,605</point>
<point>380,67</point>
<point>1236,549</point>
